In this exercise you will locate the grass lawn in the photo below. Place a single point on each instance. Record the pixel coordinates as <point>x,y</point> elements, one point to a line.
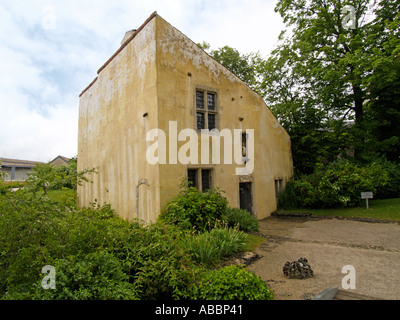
<point>63,197</point>
<point>388,209</point>
<point>56,195</point>
<point>252,242</point>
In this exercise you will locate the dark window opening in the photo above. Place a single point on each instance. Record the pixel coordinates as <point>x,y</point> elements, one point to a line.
<point>211,121</point>
<point>200,179</point>
<point>192,178</point>
<point>244,144</point>
<point>245,198</point>
<point>205,180</point>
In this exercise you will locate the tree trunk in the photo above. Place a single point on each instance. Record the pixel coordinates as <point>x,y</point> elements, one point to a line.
<point>359,145</point>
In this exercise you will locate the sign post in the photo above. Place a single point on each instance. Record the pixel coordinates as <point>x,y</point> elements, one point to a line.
<point>366,196</point>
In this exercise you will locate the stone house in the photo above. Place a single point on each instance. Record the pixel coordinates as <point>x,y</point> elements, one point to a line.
<point>156,113</point>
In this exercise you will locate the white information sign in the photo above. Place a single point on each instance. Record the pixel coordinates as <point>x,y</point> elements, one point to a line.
<point>366,196</point>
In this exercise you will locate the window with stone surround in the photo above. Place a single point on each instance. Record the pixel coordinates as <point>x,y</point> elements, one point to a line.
<point>206,109</point>
<point>200,178</point>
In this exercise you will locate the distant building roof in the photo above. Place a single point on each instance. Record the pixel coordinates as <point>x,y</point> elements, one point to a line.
<point>5,162</point>
<point>59,161</point>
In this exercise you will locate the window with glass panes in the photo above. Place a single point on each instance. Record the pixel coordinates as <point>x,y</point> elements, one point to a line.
<point>206,110</point>
<point>200,179</point>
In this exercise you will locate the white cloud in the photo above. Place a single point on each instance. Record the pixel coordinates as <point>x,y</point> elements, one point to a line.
<point>43,69</point>
<point>29,135</point>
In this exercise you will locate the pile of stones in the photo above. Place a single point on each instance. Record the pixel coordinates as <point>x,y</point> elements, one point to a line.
<point>299,269</point>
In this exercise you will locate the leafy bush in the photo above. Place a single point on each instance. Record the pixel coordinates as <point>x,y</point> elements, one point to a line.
<point>231,283</point>
<point>45,176</point>
<point>211,246</point>
<point>392,188</point>
<point>336,185</point>
<point>28,231</point>
<point>96,254</point>
<point>241,218</point>
<point>98,275</point>
<point>195,209</point>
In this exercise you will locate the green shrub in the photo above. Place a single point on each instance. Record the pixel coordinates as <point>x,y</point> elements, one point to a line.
<point>162,269</point>
<point>241,218</point>
<point>96,255</point>
<point>287,199</point>
<point>336,185</point>
<point>201,248</point>
<point>195,209</point>
<point>392,188</point>
<point>231,283</point>
<point>95,276</point>
<point>29,230</point>
<point>211,246</point>
<point>298,194</point>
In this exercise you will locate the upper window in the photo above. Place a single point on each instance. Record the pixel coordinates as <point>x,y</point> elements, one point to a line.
<point>206,110</point>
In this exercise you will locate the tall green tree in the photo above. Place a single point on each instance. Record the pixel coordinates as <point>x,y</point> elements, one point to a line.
<point>247,66</point>
<point>333,80</point>
<point>383,106</point>
<point>325,74</point>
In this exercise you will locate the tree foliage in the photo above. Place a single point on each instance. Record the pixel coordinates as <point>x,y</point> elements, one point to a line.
<point>333,80</point>
<point>45,176</point>
<point>340,184</point>
<point>246,66</point>
<point>337,79</point>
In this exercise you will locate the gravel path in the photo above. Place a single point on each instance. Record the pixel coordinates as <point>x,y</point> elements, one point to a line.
<point>373,249</point>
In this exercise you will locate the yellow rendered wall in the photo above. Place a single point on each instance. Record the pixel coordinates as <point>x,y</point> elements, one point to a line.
<point>112,131</point>
<point>181,67</point>
<point>156,75</point>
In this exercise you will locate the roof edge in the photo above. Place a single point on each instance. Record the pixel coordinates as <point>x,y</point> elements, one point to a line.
<point>86,89</point>
<point>152,16</point>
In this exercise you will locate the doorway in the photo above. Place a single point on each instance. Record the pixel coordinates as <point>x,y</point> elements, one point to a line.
<point>245,197</point>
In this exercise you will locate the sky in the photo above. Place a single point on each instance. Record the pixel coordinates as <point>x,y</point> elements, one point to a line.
<point>51,50</point>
